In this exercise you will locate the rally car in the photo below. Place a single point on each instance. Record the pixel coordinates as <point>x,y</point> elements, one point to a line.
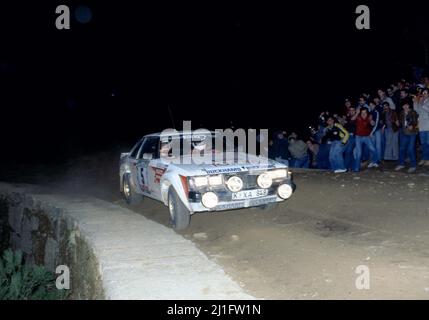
<point>187,187</point>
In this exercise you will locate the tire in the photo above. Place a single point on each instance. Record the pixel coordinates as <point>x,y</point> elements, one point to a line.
<point>269,206</point>
<point>180,217</point>
<point>131,197</point>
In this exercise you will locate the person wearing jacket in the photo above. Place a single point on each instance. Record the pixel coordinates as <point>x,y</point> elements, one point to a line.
<point>391,134</point>
<point>337,136</point>
<point>376,133</point>
<point>280,148</point>
<point>408,124</point>
<point>350,126</point>
<point>363,131</point>
<point>299,151</point>
<point>384,98</point>
<point>422,108</point>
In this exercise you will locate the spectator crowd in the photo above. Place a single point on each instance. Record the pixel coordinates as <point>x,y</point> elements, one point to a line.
<point>392,125</point>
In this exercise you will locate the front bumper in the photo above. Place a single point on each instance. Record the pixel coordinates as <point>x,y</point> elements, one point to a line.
<point>238,204</point>
<point>226,202</point>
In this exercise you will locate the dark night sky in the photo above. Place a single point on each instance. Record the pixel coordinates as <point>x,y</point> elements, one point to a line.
<point>259,65</point>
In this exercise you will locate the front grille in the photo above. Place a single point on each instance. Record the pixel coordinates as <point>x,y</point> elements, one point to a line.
<point>249,183</point>
<point>249,180</point>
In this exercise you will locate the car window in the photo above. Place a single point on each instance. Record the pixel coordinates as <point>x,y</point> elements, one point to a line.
<point>135,149</point>
<point>150,145</point>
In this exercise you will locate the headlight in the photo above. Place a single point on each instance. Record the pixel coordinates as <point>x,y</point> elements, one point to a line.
<point>200,181</point>
<point>215,180</point>
<point>209,200</point>
<point>264,181</point>
<point>285,191</point>
<point>234,184</point>
<point>203,181</point>
<point>277,174</point>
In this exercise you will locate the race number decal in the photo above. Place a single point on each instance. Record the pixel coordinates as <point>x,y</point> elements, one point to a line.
<point>158,174</point>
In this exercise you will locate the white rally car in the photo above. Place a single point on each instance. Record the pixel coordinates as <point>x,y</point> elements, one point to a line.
<point>187,188</point>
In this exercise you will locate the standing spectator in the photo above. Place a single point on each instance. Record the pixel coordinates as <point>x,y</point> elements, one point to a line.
<point>337,137</point>
<point>280,148</point>
<point>299,151</point>
<point>323,154</point>
<point>347,104</point>
<point>391,133</point>
<point>422,108</point>
<point>313,147</point>
<point>405,98</point>
<point>350,126</point>
<point>377,101</point>
<point>384,98</point>
<point>363,102</point>
<point>394,94</point>
<point>363,132</point>
<point>407,137</point>
<point>376,133</point>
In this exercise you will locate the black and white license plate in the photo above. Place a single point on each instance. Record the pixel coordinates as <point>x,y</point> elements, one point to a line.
<point>249,194</point>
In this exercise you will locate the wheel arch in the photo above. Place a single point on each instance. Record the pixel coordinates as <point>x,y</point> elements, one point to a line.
<point>172,180</point>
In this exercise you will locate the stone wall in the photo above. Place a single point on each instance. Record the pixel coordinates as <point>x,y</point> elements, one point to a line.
<point>48,236</point>
<point>112,252</point>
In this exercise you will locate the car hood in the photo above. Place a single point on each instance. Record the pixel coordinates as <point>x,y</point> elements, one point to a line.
<point>243,163</point>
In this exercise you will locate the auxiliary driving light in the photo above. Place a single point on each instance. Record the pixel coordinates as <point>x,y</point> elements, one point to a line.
<point>285,191</point>
<point>264,181</point>
<point>234,184</point>
<point>209,200</point>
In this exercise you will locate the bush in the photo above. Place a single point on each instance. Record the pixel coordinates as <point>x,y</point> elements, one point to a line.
<point>21,282</point>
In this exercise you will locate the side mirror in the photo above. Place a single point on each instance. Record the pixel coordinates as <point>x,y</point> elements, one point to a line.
<point>147,156</point>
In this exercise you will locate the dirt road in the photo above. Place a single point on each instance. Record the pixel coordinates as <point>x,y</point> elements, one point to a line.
<point>310,246</point>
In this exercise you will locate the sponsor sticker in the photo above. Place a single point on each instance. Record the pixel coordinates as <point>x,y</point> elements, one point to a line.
<point>223,170</point>
<point>158,173</point>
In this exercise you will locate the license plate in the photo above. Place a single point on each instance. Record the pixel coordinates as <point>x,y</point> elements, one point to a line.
<point>249,194</point>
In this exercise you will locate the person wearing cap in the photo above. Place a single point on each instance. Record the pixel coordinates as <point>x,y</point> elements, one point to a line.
<point>422,108</point>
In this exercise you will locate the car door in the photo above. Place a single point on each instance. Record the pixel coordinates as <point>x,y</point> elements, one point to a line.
<point>156,170</point>
<point>131,164</point>
<point>148,154</point>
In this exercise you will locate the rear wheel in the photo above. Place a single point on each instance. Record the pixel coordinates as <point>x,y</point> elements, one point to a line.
<point>132,197</point>
<point>180,216</point>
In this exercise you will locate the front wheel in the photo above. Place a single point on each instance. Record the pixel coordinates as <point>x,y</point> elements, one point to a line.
<point>180,216</point>
<point>131,197</point>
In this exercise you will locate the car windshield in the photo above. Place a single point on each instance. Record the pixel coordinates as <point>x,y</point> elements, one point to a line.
<point>183,145</point>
